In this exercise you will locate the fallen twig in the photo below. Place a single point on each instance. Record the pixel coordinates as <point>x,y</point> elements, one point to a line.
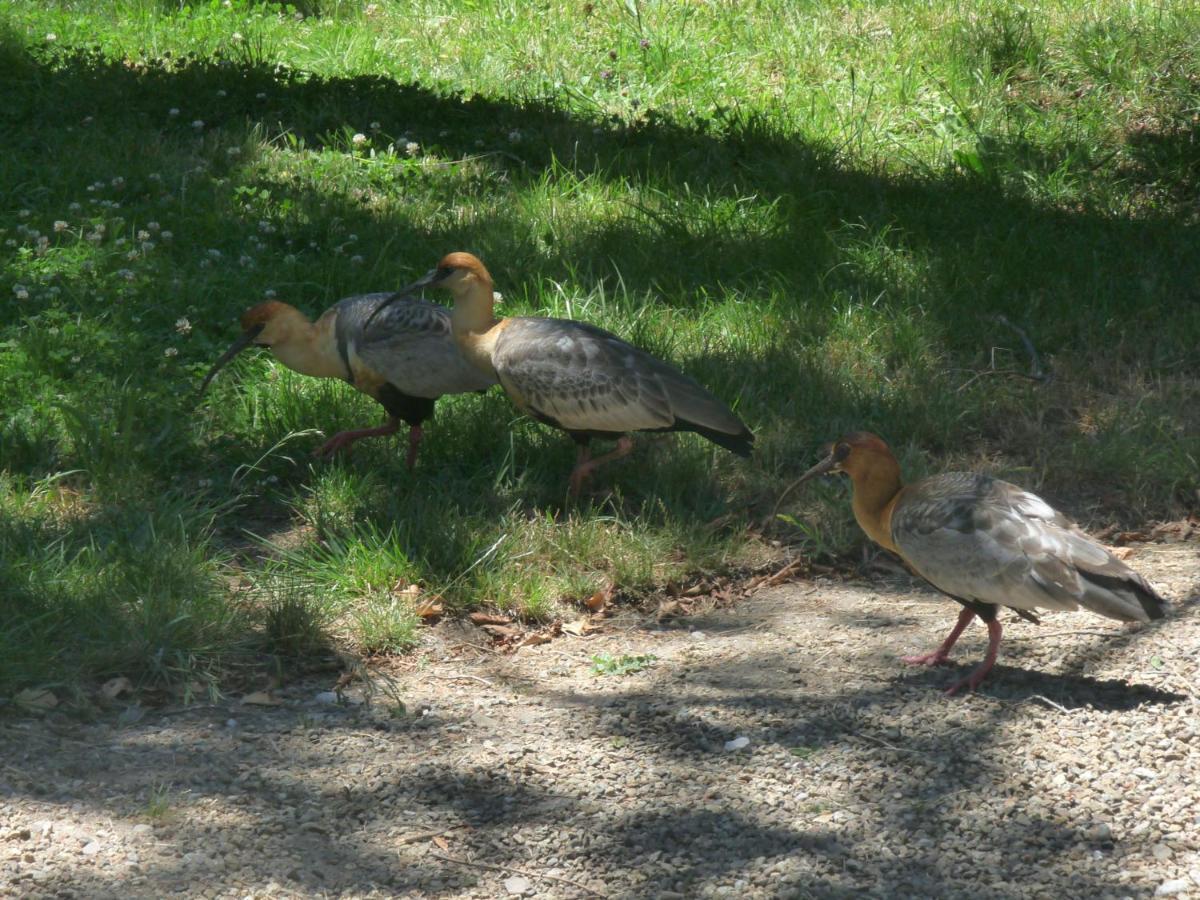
<point>525,872</point>
<point>459,678</point>
<point>424,835</point>
<point>883,743</point>
<point>1050,702</point>
<point>1035,363</point>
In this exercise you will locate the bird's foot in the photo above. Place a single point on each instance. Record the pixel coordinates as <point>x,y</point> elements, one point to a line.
<point>936,658</point>
<point>971,682</point>
<point>336,444</point>
<point>343,439</point>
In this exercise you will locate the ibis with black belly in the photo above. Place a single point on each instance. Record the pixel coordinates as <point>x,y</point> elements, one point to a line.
<point>577,377</point>
<point>987,544</point>
<point>394,348</point>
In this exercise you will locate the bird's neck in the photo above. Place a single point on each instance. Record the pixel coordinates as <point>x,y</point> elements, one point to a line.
<point>875,493</point>
<point>474,324</point>
<point>311,349</point>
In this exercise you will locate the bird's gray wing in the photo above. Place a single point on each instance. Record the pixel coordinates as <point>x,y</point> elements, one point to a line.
<point>587,379</point>
<point>409,345</point>
<point>979,538</point>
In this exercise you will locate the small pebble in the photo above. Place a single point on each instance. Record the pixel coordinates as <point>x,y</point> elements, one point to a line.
<point>1174,886</point>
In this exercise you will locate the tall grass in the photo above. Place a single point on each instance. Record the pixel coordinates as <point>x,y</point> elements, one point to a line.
<point>820,211</point>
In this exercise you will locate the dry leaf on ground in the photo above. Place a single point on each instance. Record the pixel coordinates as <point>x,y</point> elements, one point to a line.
<point>429,608</point>
<point>115,687</point>
<point>36,698</point>
<point>600,599</point>
<point>261,698</point>
<point>482,618</point>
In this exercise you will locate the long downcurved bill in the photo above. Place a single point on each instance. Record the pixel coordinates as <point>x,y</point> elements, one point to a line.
<point>239,345</point>
<point>407,291</point>
<point>824,467</point>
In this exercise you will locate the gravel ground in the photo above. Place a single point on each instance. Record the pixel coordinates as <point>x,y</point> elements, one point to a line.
<point>1071,774</point>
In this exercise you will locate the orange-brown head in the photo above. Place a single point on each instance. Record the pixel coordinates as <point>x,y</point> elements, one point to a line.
<point>876,476</point>
<point>265,325</point>
<point>857,454</point>
<point>460,273</point>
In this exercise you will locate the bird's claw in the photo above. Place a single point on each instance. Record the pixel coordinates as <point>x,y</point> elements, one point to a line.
<point>936,658</point>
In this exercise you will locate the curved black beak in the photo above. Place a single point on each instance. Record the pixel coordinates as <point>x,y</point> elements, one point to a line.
<point>407,291</point>
<point>239,345</point>
<point>826,466</point>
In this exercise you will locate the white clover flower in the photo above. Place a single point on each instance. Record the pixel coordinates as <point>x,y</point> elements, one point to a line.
<point>269,293</point>
<point>412,148</point>
<point>173,111</point>
<point>21,291</point>
<point>147,246</point>
<point>60,225</point>
<point>478,142</point>
<point>204,264</point>
<point>152,226</point>
<point>120,242</point>
<point>118,182</point>
<point>183,326</point>
<point>359,138</point>
<point>356,260</point>
<point>198,124</point>
<point>167,235</point>
<point>154,176</point>
<point>24,213</point>
<point>52,331</point>
<point>51,37</point>
<point>221,93</point>
<point>11,242</point>
<point>127,274</point>
<point>143,235</point>
<point>205,482</point>
<point>75,207</point>
<point>261,95</point>
<point>375,126</point>
<point>514,136</point>
<point>351,238</point>
<point>497,296</point>
<point>170,351</point>
<point>290,259</point>
<point>214,254</point>
<point>245,260</point>
<point>94,237</point>
<point>233,151</point>
<point>75,360</point>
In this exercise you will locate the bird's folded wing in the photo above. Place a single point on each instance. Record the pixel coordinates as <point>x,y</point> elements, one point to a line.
<point>581,377</point>
<point>409,344</point>
<point>983,539</point>
<point>955,532</point>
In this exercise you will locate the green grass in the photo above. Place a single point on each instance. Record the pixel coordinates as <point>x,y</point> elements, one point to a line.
<point>819,210</point>
<point>607,664</point>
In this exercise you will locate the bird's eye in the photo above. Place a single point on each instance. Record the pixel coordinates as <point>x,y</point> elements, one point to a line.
<point>841,451</point>
<point>444,271</point>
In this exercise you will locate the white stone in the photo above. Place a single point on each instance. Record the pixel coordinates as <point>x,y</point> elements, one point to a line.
<point>737,743</point>
<point>1174,886</point>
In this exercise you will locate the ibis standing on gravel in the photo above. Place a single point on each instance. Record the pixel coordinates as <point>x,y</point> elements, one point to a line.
<point>986,543</point>
<point>396,349</point>
<point>575,376</point>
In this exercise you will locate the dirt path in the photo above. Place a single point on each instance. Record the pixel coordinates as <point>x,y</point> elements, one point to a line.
<point>1073,773</point>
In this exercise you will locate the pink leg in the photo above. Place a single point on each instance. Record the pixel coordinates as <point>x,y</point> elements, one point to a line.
<point>973,680</point>
<point>942,653</point>
<point>343,439</point>
<point>414,441</point>
<point>585,465</point>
